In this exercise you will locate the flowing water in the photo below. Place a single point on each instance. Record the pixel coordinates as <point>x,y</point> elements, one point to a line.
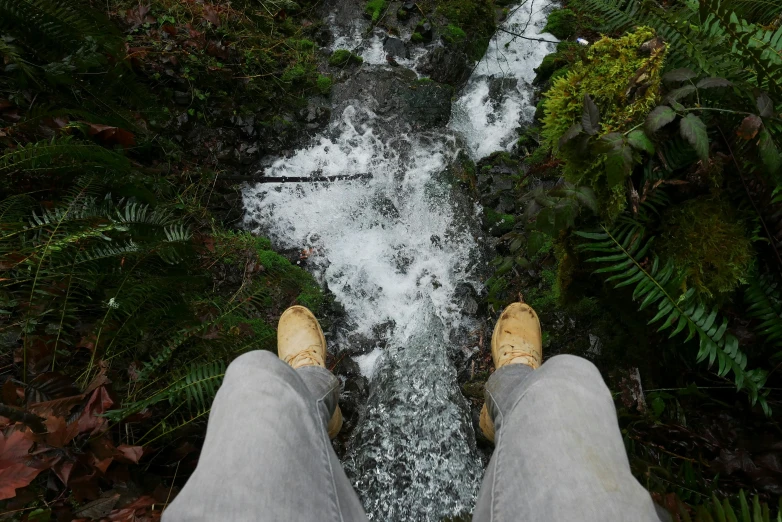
<point>397,250</point>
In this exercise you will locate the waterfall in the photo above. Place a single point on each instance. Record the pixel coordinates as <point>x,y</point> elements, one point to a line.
<point>394,250</point>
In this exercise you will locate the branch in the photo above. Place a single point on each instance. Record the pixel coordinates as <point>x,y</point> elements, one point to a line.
<point>260,178</point>
<point>517,35</point>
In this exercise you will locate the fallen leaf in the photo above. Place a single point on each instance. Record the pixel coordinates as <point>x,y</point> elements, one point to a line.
<point>139,16</point>
<point>14,472</point>
<point>15,476</point>
<point>14,447</point>
<point>58,432</point>
<point>170,29</point>
<point>90,419</point>
<point>111,135</point>
<point>211,16</point>
<point>99,508</point>
<point>129,454</point>
<point>61,407</point>
<point>63,470</point>
<point>749,127</point>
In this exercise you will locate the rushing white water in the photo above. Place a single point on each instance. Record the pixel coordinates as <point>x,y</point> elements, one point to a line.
<point>497,97</point>
<point>395,250</point>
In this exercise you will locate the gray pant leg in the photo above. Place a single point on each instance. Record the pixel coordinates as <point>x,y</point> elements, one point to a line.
<point>559,454</point>
<point>267,455</point>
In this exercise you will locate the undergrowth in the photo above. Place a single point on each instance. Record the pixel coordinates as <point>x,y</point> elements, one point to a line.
<point>648,216</point>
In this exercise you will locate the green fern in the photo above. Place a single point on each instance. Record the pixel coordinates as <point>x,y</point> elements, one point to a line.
<point>626,251</point>
<point>764,303</point>
<point>61,153</point>
<point>195,389</point>
<point>760,48</point>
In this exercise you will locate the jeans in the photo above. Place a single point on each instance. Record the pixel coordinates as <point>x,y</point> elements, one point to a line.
<point>559,454</point>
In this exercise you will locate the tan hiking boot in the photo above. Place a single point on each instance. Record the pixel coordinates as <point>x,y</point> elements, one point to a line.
<point>517,339</point>
<point>300,342</point>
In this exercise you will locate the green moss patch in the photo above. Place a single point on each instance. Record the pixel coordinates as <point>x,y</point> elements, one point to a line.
<point>343,57</point>
<point>708,245</point>
<point>561,23</point>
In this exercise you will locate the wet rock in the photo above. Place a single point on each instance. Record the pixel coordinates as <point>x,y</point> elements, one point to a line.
<point>406,11</point>
<point>395,47</point>
<point>396,92</point>
<point>446,65</point>
<point>315,116</point>
<point>498,86</point>
<point>425,30</point>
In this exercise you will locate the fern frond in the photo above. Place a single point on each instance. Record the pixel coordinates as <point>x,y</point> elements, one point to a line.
<point>624,249</point>
<point>764,303</point>
<point>762,49</point>
<point>196,389</point>
<point>59,153</point>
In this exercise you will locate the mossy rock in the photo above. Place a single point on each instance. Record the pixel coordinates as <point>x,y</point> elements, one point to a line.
<point>454,34</point>
<point>475,18</point>
<point>374,9</point>
<point>610,67</point>
<point>566,53</point>
<point>708,244</point>
<point>343,57</point>
<point>324,84</point>
<point>561,23</point>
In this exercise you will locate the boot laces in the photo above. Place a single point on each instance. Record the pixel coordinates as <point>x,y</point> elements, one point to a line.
<point>308,357</point>
<point>525,351</point>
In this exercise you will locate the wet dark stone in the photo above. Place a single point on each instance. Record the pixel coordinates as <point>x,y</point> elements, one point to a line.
<point>399,93</point>
<point>406,11</point>
<point>425,30</point>
<point>395,47</point>
<point>445,65</point>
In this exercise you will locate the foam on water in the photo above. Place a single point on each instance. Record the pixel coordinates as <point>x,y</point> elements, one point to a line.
<point>497,97</point>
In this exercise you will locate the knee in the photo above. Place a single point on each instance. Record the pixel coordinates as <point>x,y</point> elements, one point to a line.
<point>255,363</point>
<point>571,363</point>
<point>575,370</point>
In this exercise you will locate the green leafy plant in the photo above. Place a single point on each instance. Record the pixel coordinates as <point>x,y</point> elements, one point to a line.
<point>626,251</point>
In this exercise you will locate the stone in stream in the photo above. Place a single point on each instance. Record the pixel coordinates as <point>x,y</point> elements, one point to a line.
<point>403,13</point>
<point>446,65</point>
<point>395,47</point>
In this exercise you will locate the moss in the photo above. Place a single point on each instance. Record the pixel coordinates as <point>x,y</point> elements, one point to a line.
<point>295,73</point>
<point>475,18</point>
<point>324,84</point>
<point>607,72</point>
<point>561,23</point>
<point>417,37</point>
<point>343,57</point>
<point>708,244</point>
<point>566,53</point>
<point>453,33</point>
<point>375,8</point>
<point>499,224</point>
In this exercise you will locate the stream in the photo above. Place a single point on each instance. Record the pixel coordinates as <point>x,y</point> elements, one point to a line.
<point>401,250</point>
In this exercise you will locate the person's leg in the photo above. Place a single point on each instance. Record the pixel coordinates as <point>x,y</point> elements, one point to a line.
<point>559,453</point>
<point>267,454</point>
